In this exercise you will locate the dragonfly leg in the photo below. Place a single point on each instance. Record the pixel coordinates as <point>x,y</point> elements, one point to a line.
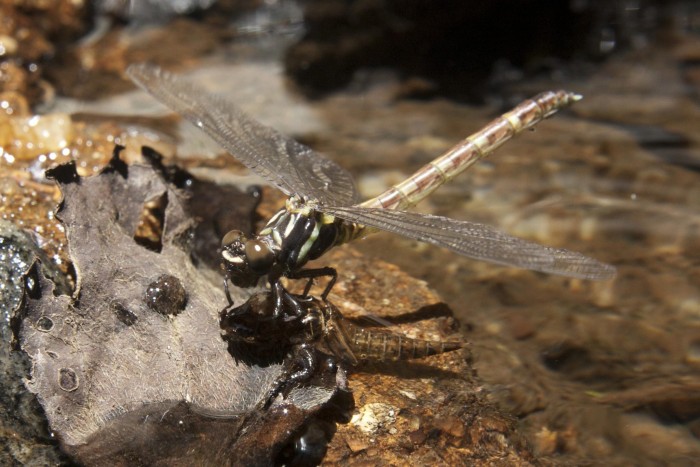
<point>280,298</point>
<point>277,292</point>
<point>312,274</point>
<point>227,292</point>
<point>331,283</point>
<point>299,368</point>
<point>305,361</point>
<point>291,300</point>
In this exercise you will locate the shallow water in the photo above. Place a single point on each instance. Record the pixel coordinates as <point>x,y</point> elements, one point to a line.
<point>565,355</point>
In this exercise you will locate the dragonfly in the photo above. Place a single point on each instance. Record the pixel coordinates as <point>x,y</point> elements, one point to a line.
<point>322,209</point>
<point>320,327</point>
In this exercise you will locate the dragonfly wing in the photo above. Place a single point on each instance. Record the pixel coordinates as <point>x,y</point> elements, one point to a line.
<point>324,180</point>
<point>338,342</point>
<point>478,241</point>
<point>279,159</point>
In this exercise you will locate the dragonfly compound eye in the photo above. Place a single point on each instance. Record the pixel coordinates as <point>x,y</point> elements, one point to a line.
<point>236,263</point>
<point>260,257</point>
<point>232,237</point>
<point>233,250</point>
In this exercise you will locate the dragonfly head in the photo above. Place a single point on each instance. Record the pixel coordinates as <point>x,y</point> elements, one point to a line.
<point>245,260</point>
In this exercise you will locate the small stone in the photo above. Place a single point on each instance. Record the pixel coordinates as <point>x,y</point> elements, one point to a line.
<point>27,137</point>
<point>356,444</point>
<point>546,442</point>
<point>417,437</point>
<point>372,417</point>
<point>451,425</point>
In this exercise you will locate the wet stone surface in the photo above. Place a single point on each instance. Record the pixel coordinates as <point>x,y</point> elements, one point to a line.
<point>106,356</point>
<point>418,411</point>
<point>17,253</point>
<point>24,434</point>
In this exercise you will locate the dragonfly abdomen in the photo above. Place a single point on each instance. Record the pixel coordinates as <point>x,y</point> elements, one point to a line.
<point>471,150</point>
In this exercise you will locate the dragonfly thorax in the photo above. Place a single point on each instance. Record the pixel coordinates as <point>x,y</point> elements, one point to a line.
<point>285,244</point>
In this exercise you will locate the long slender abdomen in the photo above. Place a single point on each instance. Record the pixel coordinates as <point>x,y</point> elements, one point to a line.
<point>471,149</point>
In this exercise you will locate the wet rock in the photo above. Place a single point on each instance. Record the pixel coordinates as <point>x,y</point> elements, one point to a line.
<point>24,434</point>
<point>412,412</point>
<point>371,418</point>
<point>103,361</point>
<point>26,138</point>
<point>18,250</point>
<point>29,34</point>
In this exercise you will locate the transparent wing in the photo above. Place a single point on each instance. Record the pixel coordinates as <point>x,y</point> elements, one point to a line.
<point>289,165</point>
<point>339,342</point>
<point>478,241</point>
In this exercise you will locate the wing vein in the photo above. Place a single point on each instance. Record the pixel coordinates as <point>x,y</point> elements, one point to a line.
<point>292,167</point>
<point>477,241</point>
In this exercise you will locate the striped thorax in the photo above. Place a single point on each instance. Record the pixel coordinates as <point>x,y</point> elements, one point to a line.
<point>295,235</point>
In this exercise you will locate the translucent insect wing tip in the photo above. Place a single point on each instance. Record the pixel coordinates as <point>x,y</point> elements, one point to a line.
<point>599,272</point>
<point>608,272</point>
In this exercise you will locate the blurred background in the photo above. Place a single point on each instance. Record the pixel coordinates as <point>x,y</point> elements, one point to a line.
<point>590,373</point>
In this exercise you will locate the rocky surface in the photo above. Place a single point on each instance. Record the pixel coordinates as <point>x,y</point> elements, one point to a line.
<point>418,412</point>
<point>25,434</point>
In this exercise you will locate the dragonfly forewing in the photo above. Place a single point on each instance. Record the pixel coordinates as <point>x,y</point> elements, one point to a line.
<point>292,167</point>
